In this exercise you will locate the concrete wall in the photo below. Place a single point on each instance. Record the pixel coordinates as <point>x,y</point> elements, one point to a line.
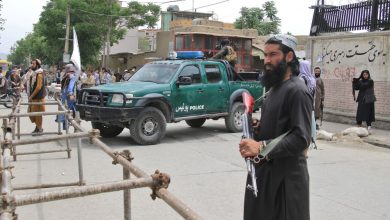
<point>139,60</point>
<point>342,57</point>
<point>129,44</point>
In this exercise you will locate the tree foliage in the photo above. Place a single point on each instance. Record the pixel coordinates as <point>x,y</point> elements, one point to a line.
<point>91,19</point>
<point>264,20</point>
<point>27,48</point>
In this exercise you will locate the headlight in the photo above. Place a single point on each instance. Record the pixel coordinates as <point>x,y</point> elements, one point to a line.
<point>117,98</point>
<point>129,98</point>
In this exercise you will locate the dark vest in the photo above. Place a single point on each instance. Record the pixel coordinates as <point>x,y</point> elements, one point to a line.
<point>41,94</point>
<point>3,89</point>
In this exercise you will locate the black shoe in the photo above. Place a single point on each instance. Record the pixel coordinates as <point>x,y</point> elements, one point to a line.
<point>35,130</point>
<point>39,132</point>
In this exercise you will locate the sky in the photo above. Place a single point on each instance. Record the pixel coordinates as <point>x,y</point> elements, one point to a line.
<point>296,16</point>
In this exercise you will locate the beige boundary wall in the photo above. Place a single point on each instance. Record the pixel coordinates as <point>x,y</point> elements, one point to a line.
<point>342,57</point>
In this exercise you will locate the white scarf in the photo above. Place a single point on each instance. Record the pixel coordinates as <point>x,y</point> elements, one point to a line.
<point>34,76</point>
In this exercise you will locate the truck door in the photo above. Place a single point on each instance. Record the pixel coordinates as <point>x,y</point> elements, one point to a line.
<point>189,99</point>
<point>216,89</point>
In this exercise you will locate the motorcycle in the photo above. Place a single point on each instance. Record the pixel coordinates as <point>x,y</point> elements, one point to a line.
<point>9,98</point>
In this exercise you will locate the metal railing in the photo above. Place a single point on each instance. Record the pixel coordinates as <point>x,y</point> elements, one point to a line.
<point>369,15</point>
<point>158,182</point>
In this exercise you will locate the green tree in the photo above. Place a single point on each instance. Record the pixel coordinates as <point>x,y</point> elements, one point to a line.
<point>264,20</point>
<point>91,19</point>
<point>32,46</point>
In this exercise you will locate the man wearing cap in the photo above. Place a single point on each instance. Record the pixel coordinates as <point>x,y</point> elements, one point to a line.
<point>282,176</point>
<point>226,53</point>
<point>37,94</point>
<point>68,87</point>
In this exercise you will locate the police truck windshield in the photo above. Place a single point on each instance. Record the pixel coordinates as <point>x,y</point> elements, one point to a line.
<point>155,72</point>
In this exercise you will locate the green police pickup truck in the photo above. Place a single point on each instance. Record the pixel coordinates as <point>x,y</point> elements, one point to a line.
<point>167,91</point>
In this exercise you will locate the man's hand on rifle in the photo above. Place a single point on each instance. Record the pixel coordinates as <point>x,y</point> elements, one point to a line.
<point>250,148</point>
<point>255,125</point>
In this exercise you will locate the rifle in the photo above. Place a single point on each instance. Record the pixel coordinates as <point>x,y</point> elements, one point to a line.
<point>247,132</point>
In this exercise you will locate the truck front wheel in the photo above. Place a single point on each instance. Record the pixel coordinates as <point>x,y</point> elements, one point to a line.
<point>149,127</point>
<point>107,131</point>
<point>233,120</point>
<point>196,123</point>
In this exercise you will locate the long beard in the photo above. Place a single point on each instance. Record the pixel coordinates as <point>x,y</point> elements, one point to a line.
<point>318,76</point>
<point>274,75</point>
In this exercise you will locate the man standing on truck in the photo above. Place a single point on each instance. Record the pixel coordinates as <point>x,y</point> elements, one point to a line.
<point>227,53</point>
<point>282,175</point>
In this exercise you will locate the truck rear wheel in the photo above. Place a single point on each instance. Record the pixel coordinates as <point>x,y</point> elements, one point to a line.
<point>149,127</point>
<point>196,123</point>
<point>107,131</point>
<point>233,120</point>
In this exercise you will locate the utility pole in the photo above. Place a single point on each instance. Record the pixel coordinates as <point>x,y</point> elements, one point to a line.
<point>66,56</point>
<point>109,40</point>
<point>106,55</point>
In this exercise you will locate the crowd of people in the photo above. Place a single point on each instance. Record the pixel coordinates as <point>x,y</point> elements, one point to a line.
<point>33,82</point>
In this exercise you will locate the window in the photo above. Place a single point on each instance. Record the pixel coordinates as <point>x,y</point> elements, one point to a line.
<point>198,39</point>
<point>209,43</point>
<point>248,46</point>
<point>237,44</point>
<point>179,42</point>
<point>213,74</point>
<point>247,59</point>
<point>239,57</point>
<point>187,41</point>
<point>155,72</point>
<point>193,72</point>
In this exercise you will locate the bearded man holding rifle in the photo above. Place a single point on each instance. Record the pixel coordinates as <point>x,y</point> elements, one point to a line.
<point>282,176</point>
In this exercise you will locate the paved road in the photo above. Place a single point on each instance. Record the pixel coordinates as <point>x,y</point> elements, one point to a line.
<point>349,180</point>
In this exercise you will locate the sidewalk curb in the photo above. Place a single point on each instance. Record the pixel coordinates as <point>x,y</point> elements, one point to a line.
<point>376,143</point>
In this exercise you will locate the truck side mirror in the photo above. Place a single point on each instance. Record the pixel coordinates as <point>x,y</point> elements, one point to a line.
<point>184,80</point>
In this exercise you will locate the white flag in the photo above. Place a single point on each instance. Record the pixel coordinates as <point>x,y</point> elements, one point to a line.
<point>75,58</point>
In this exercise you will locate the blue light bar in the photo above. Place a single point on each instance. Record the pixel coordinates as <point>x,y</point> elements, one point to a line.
<point>189,55</point>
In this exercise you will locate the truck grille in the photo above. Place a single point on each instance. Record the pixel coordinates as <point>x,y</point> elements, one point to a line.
<point>95,98</point>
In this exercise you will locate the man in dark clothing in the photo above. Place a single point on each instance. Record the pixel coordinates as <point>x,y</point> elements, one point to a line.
<point>319,95</point>
<point>282,176</point>
<point>366,99</point>
<point>9,72</point>
<point>227,53</point>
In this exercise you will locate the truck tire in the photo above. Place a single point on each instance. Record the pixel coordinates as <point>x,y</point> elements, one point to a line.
<point>149,127</point>
<point>233,120</point>
<point>196,123</point>
<point>107,131</point>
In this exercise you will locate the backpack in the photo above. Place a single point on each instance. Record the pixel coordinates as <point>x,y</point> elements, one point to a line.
<point>232,55</point>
